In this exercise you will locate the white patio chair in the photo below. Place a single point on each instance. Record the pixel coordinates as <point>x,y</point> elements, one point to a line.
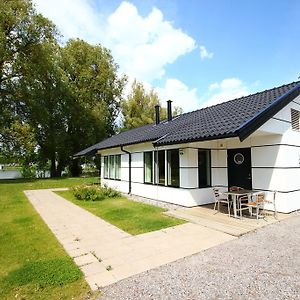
<point>220,198</point>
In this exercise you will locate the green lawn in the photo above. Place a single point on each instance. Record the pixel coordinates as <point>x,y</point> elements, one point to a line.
<point>33,265</point>
<point>132,217</point>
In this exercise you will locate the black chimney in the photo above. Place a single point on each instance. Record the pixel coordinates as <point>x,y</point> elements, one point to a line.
<point>157,120</point>
<point>169,110</point>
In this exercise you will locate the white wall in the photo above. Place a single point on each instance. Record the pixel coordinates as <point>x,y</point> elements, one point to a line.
<point>188,195</point>
<point>275,151</point>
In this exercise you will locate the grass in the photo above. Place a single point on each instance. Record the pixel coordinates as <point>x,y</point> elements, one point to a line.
<point>33,265</point>
<point>132,217</point>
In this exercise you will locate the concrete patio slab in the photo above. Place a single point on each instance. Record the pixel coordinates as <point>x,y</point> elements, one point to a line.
<point>106,254</point>
<point>206,216</point>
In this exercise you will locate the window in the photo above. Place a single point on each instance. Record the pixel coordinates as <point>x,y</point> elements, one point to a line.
<point>118,167</point>
<point>173,167</point>
<point>204,168</point>
<point>295,117</point>
<point>160,167</point>
<point>148,167</point>
<point>112,167</point>
<point>239,158</point>
<point>105,166</point>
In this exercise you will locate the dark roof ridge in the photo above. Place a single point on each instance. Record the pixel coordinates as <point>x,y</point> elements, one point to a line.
<point>236,117</point>
<point>203,108</point>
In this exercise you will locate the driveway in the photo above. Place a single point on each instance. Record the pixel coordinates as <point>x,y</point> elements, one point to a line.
<point>106,254</point>
<point>264,264</point>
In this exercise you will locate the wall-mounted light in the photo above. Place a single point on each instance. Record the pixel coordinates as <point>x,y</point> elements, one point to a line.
<point>181,151</point>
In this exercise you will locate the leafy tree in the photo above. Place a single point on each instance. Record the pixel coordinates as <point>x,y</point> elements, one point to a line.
<point>46,108</point>
<point>21,145</point>
<point>94,93</point>
<point>23,34</point>
<point>65,98</point>
<point>138,109</point>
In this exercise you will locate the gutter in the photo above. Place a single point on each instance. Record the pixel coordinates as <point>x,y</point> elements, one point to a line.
<point>129,161</point>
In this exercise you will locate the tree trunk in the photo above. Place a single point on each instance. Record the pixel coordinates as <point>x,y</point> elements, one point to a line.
<point>53,167</point>
<point>60,167</point>
<point>75,168</point>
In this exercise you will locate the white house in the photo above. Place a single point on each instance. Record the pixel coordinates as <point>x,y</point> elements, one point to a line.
<point>252,142</point>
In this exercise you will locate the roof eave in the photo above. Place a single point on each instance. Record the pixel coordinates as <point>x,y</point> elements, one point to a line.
<point>259,119</point>
<point>88,153</point>
<point>95,150</point>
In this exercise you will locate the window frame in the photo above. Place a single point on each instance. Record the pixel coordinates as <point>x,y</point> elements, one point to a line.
<point>112,167</point>
<point>168,168</point>
<point>117,166</point>
<point>106,167</point>
<point>156,179</point>
<point>152,167</point>
<point>210,169</point>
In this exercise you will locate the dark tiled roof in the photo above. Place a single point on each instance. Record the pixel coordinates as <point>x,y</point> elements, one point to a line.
<point>238,117</point>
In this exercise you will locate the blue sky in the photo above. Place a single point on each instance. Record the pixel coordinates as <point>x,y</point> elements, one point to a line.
<point>197,53</point>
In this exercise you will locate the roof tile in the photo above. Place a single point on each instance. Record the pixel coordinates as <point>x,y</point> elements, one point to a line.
<point>216,121</point>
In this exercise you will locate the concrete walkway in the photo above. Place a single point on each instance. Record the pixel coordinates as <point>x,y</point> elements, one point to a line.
<point>106,254</point>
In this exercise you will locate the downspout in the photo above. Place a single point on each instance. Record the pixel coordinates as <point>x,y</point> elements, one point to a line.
<point>129,161</point>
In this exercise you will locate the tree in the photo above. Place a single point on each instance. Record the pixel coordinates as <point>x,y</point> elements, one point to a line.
<point>67,97</point>
<point>138,108</point>
<point>23,34</point>
<point>94,92</point>
<point>74,102</point>
<point>21,145</point>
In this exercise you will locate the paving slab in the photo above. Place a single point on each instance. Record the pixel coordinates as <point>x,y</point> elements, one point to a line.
<point>206,216</point>
<point>106,254</point>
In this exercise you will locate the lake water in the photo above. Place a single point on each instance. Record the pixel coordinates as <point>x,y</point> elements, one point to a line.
<point>10,174</point>
<point>14,174</point>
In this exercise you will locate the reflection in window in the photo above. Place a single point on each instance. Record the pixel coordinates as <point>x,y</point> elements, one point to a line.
<point>160,167</point>
<point>105,166</point>
<point>173,167</point>
<point>117,166</point>
<point>204,168</point>
<point>148,167</point>
<point>112,166</point>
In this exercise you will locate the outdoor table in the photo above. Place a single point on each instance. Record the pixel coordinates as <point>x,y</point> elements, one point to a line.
<point>236,194</point>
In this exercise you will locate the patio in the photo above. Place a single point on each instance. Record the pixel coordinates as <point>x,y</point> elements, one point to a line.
<point>205,215</point>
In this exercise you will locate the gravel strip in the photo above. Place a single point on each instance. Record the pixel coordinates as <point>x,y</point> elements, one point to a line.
<point>166,205</point>
<point>260,265</point>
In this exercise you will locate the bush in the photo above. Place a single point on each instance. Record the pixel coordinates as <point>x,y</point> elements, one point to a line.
<point>28,172</point>
<point>94,193</point>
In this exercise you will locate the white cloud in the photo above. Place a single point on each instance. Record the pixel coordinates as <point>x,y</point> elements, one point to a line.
<point>227,89</point>
<point>204,53</point>
<point>74,18</point>
<point>180,94</point>
<point>142,46</point>
<point>145,45</point>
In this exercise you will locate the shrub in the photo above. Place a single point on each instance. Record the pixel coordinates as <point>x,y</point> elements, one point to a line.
<point>109,192</point>
<point>94,193</point>
<point>28,172</point>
